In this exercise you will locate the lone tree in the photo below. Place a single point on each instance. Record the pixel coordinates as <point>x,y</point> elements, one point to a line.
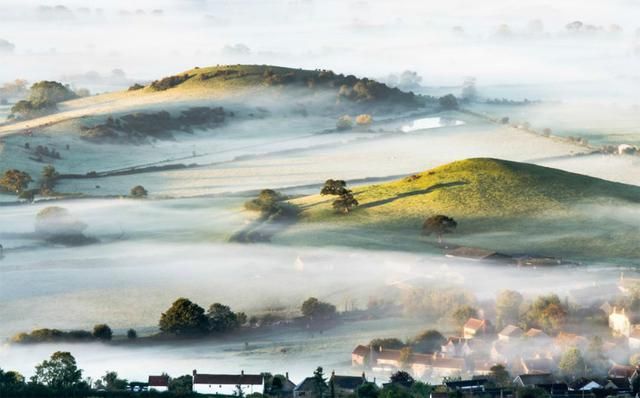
<point>314,308</point>
<point>319,382</point>
<point>439,225</point>
<point>56,224</point>
<point>402,378</point>
<point>102,332</point>
<point>183,317</point>
<point>572,364</point>
<point>49,176</point>
<point>448,102</point>
<point>60,372</point>
<point>508,305</point>
<point>138,192</point>
<point>15,180</point>
<point>461,314</point>
<point>132,334</point>
<point>345,201</point>
<point>428,341</point>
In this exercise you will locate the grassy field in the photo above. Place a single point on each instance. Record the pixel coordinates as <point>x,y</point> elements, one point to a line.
<point>499,205</point>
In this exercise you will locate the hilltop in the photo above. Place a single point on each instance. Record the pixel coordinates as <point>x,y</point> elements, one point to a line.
<point>533,207</point>
<point>473,188</point>
<point>271,88</point>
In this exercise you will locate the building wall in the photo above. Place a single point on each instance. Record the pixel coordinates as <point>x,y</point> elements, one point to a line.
<point>619,324</point>
<point>226,389</point>
<point>159,388</point>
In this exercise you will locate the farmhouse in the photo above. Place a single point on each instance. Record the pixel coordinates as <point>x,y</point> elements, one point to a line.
<point>475,328</point>
<point>225,384</point>
<point>510,332</point>
<point>346,385</point>
<point>619,322</point>
<point>359,355</point>
<point>159,383</point>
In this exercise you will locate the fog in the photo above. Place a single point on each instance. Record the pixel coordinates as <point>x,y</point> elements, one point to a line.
<point>143,254</point>
<point>497,42</point>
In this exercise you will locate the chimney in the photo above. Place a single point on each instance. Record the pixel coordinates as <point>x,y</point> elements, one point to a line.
<point>194,373</point>
<point>380,349</point>
<point>333,373</point>
<point>364,377</point>
<point>242,372</point>
<point>286,374</point>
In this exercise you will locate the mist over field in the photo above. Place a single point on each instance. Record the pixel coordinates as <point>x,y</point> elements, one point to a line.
<point>259,153</point>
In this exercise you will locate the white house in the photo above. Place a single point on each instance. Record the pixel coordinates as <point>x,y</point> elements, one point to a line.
<point>227,384</point>
<point>619,322</point>
<point>159,383</point>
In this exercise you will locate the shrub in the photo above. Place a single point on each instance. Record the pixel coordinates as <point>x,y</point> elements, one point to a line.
<point>364,119</point>
<point>102,332</point>
<point>344,122</point>
<point>138,192</point>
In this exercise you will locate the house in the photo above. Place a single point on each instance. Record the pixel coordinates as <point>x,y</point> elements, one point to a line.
<point>621,371</point>
<point>456,347</point>
<point>537,334</point>
<point>307,388</point>
<point>618,384</point>
<point>159,383</point>
<point>583,384</point>
<point>475,328</point>
<point>571,340</point>
<point>346,385</point>
<point>446,367</point>
<point>533,380</point>
<point>467,386</point>
<point>225,384</point>
<point>359,355</point>
<point>537,365</point>
<point>138,386</point>
<point>281,386</point>
<point>619,322</point>
<point>386,360</point>
<point>510,332</point>
<point>634,338</point>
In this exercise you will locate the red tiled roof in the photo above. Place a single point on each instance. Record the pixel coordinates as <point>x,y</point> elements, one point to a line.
<point>361,350</point>
<point>475,324</point>
<point>159,381</point>
<point>227,379</point>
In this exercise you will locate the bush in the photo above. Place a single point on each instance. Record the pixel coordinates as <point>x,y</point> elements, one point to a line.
<point>364,119</point>
<point>344,123</point>
<point>138,192</point>
<point>102,332</point>
<point>132,334</point>
<point>448,102</point>
<point>136,87</point>
<point>170,82</point>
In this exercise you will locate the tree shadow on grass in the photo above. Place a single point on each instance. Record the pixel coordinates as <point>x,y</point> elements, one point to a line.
<point>413,193</point>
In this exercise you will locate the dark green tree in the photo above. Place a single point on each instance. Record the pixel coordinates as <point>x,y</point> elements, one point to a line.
<point>390,343</point>
<point>428,341</point>
<point>448,102</point>
<point>221,318</point>
<point>319,383</point>
<point>439,225</point>
<point>500,376</point>
<point>182,385</point>
<point>546,313</point>
<point>49,176</point>
<point>132,334</point>
<point>572,364</point>
<point>183,317</point>
<point>60,372</point>
<point>138,192</point>
<point>368,390</point>
<point>402,378</point>
<point>111,382</point>
<point>462,314</point>
<point>333,187</point>
<point>316,309</point>
<point>102,332</point>
<point>508,305</point>
<point>48,93</point>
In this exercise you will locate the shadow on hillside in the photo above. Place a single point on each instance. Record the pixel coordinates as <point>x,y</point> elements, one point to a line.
<point>413,193</point>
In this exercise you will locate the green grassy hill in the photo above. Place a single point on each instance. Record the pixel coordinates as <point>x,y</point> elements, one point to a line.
<point>474,188</point>
<point>499,205</point>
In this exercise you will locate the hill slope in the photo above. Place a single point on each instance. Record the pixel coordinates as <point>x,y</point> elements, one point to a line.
<point>474,188</point>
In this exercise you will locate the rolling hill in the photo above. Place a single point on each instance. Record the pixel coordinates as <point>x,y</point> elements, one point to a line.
<point>531,208</point>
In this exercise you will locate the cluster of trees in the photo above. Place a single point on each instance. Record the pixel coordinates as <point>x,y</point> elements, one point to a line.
<point>43,150</point>
<point>100,332</point>
<point>346,122</point>
<point>43,98</point>
<point>185,317</point>
<point>60,376</point>
<point>315,309</point>
<point>16,181</point>
<point>345,201</point>
<point>448,102</point>
<point>139,126</point>
<point>170,82</point>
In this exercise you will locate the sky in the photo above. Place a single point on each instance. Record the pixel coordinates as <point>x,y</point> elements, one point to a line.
<point>498,42</point>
